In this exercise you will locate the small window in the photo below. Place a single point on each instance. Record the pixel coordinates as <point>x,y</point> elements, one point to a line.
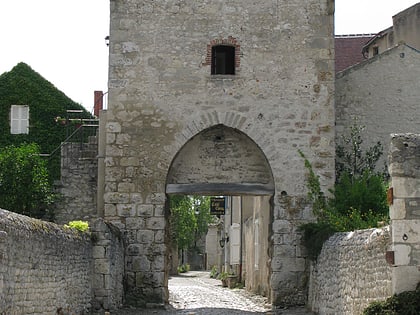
<point>19,119</point>
<point>223,60</point>
<point>375,50</point>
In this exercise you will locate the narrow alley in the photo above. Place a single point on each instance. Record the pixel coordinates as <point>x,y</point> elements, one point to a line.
<point>195,293</point>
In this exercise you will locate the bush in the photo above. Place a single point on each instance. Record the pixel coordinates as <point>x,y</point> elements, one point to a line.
<point>24,183</point>
<point>405,303</point>
<point>365,193</point>
<point>82,226</point>
<point>214,273</point>
<point>358,202</point>
<point>183,268</point>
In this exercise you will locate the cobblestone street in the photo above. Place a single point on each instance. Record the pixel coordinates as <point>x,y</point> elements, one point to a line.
<point>196,293</point>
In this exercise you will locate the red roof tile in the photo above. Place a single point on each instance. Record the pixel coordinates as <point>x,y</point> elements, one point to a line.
<point>348,50</point>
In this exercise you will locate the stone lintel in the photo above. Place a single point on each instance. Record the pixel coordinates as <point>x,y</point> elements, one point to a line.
<point>224,189</point>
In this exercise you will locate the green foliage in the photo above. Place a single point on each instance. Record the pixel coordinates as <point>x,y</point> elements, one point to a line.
<point>190,216</point>
<point>82,226</point>
<point>183,268</point>
<point>223,275</point>
<point>24,86</point>
<point>359,196</point>
<point>353,219</point>
<point>351,158</point>
<point>405,303</point>
<point>24,185</point>
<point>366,192</point>
<point>314,236</point>
<point>214,273</point>
<point>315,194</point>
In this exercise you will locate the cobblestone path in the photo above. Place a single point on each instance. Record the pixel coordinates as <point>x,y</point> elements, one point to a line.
<point>195,293</point>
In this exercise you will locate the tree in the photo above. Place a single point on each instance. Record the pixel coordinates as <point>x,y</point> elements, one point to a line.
<point>350,157</point>
<point>24,184</point>
<point>190,217</point>
<point>358,184</point>
<point>359,194</point>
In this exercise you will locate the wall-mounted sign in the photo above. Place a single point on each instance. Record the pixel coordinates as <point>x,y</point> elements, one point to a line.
<point>217,206</point>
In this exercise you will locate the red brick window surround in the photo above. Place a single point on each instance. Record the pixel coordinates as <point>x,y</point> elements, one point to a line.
<point>226,46</point>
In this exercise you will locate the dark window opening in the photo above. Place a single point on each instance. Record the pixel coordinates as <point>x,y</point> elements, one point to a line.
<point>375,50</point>
<point>223,60</point>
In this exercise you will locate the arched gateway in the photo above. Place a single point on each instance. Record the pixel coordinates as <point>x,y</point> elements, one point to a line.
<point>216,97</point>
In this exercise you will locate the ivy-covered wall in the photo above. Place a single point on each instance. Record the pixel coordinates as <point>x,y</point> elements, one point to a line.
<point>24,86</point>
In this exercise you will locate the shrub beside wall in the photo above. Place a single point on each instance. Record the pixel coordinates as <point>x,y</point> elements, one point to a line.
<point>351,272</point>
<point>43,268</point>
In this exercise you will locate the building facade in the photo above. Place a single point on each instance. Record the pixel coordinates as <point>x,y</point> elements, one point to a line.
<point>216,98</point>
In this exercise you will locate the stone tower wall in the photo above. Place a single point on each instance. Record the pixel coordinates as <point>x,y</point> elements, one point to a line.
<point>404,168</point>
<point>161,94</point>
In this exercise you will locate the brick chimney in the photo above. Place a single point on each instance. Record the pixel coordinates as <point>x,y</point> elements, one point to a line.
<point>98,102</point>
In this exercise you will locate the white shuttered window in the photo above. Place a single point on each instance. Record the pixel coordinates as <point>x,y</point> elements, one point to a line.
<point>19,119</point>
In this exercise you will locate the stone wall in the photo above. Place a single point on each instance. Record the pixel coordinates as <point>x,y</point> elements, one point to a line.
<point>43,267</point>
<point>162,94</point>
<point>351,272</point>
<point>383,94</point>
<point>108,256</point>
<point>78,184</point>
<point>404,168</point>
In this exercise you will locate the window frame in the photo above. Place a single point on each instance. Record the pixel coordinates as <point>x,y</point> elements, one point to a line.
<point>226,54</point>
<point>19,119</point>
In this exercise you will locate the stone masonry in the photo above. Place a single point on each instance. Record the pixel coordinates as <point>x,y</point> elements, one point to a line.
<point>44,269</point>
<point>383,94</point>
<point>351,272</point>
<point>162,94</point>
<point>77,187</point>
<point>404,168</point>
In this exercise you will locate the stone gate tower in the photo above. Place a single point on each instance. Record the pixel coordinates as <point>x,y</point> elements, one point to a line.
<point>216,97</point>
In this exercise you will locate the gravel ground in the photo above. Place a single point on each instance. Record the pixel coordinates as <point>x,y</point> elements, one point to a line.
<point>196,293</point>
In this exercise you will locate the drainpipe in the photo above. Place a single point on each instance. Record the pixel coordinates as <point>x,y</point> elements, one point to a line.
<point>100,204</point>
<point>240,244</point>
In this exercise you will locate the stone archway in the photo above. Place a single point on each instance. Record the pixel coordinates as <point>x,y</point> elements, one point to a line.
<point>221,160</point>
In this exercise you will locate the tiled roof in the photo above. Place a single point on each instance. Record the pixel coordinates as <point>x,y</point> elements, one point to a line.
<point>348,50</point>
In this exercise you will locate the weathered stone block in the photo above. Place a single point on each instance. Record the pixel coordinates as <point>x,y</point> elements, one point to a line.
<point>145,210</point>
<point>405,278</point>
<point>101,266</point>
<point>116,197</point>
<point>405,231</point>
<point>135,223</point>
<point>155,223</point>
<point>145,236</point>
<point>402,254</point>
<point>126,210</point>
<point>113,127</point>
<point>397,210</point>
<point>282,226</point>
<point>141,263</point>
<point>98,252</point>
<point>406,187</point>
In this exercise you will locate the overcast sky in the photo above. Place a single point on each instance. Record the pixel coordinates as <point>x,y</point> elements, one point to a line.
<point>64,40</point>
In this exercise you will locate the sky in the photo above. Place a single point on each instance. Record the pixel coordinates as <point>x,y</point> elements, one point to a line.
<point>64,40</point>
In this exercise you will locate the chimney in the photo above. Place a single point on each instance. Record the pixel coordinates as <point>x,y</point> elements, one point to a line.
<point>98,102</point>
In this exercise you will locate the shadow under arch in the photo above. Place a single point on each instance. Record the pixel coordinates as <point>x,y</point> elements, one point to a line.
<point>220,160</point>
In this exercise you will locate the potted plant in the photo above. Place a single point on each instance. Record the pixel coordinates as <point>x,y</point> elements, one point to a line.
<point>223,277</point>
<point>231,280</point>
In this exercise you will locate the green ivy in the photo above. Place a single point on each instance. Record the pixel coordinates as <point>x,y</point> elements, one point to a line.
<point>24,86</point>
